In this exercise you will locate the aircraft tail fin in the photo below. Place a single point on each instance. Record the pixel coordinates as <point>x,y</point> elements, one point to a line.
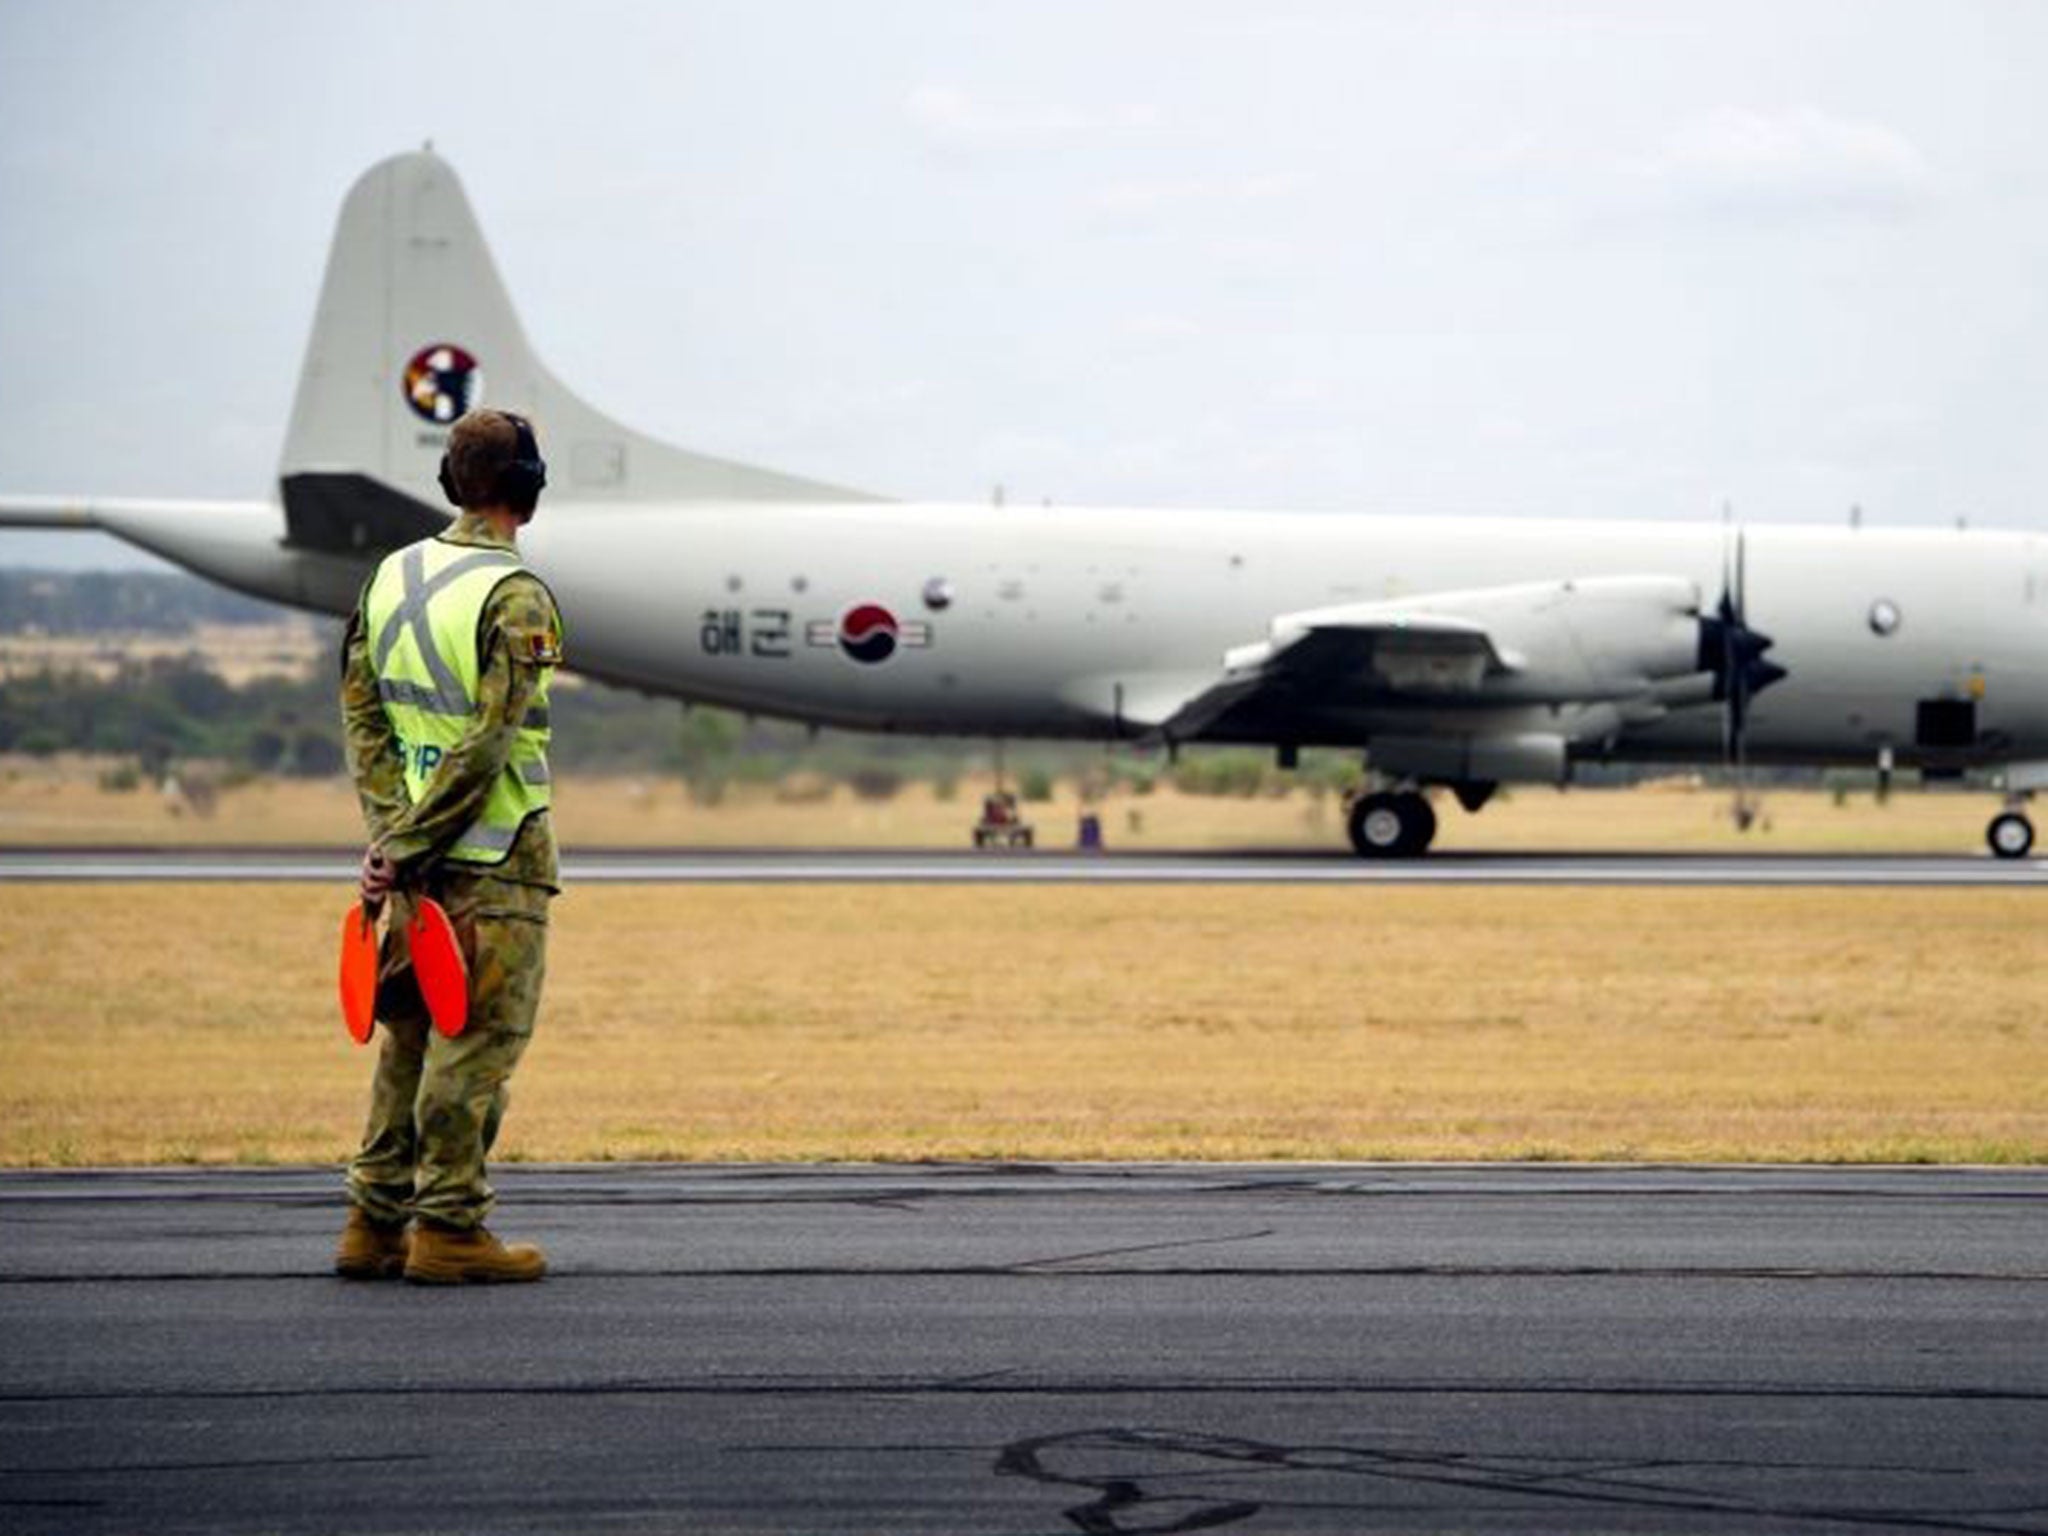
<point>414,327</point>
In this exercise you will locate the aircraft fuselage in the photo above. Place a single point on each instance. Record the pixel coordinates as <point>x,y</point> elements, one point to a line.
<point>1056,622</point>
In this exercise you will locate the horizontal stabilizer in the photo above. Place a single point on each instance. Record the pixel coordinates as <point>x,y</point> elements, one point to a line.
<point>114,514</point>
<point>239,544</point>
<point>353,515</point>
<point>46,512</point>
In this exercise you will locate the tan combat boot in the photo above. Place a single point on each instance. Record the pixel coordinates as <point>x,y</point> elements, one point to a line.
<point>370,1250</point>
<point>444,1256</point>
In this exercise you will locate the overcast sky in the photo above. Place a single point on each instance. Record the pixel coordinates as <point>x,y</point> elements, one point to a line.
<point>1626,259</point>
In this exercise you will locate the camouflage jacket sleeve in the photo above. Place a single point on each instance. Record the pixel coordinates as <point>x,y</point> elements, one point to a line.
<point>373,753</point>
<point>520,636</point>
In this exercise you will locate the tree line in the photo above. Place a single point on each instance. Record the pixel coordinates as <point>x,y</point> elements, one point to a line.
<point>121,602</point>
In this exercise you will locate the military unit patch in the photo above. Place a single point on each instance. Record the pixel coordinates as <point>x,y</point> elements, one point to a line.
<point>441,382</point>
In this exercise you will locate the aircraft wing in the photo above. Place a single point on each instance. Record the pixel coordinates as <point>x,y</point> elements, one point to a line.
<point>1345,657</point>
<point>1595,640</point>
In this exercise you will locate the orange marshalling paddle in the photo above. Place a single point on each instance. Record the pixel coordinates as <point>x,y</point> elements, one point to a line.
<point>437,965</point>
<point>359,972</point>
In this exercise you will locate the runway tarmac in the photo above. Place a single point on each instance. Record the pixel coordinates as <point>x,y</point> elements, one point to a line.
<point>857,866</point>
<point>1038,1349</point>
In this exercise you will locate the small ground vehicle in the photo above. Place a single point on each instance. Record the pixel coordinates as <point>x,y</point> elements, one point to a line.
<point>1001,825</point>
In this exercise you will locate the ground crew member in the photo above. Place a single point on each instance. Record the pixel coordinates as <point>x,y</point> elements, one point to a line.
<point>445,671</point>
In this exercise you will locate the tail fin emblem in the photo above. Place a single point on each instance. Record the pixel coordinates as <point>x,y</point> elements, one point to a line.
<point>442,382</point>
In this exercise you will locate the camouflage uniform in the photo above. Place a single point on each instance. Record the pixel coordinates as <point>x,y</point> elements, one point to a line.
<point>436,1103</point>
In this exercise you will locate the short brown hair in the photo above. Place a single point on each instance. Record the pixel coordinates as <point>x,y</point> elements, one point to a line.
<point>480,448</point>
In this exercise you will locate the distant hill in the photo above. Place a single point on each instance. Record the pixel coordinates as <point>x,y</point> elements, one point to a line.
<point>121,602</point>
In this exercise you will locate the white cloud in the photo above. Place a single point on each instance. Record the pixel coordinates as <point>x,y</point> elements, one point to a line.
<point>1792,159</point>
<point>1161,327</point>
<point>1148,196</point>
<point>951,116</point>
<point>1498,431</point>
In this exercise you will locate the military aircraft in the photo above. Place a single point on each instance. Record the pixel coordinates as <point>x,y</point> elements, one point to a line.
<point>1457,653</point>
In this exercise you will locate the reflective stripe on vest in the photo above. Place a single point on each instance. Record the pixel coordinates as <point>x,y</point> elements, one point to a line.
<point>421,615</point>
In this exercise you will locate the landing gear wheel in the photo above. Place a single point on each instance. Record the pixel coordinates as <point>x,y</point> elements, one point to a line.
<point>1386,826</point>
<point>1425,822</point>
<point>2011,835</point>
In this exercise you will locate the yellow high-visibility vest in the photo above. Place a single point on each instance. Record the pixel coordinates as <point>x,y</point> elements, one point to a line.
<point>420,618</point>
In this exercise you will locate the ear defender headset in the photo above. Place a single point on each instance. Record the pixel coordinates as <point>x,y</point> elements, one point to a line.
<point>519,483</point>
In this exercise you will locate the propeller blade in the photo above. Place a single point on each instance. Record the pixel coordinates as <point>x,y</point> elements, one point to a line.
<point>1734,653</point>
<point>1741,577</point>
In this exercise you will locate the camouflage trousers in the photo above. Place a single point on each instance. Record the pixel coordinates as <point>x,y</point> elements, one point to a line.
<point>436,1103</point>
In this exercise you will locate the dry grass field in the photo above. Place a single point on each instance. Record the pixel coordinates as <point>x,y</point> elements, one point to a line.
<point>60,801</point>
<point>197,1024</point>
<point>291,647</point>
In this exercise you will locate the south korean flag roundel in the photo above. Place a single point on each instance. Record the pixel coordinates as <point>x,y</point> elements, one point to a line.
<point>442,382</point>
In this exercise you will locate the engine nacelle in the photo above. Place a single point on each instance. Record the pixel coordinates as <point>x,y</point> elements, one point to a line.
<point>1527,758</point>
<point>1596,638</point>
<point>1604,637</point>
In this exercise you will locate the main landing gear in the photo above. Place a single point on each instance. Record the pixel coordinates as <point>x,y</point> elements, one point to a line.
<point>2011,833</point>
<point>1391,825</point>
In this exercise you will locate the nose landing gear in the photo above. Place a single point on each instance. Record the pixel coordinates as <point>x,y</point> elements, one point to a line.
<point>1396,825</point>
